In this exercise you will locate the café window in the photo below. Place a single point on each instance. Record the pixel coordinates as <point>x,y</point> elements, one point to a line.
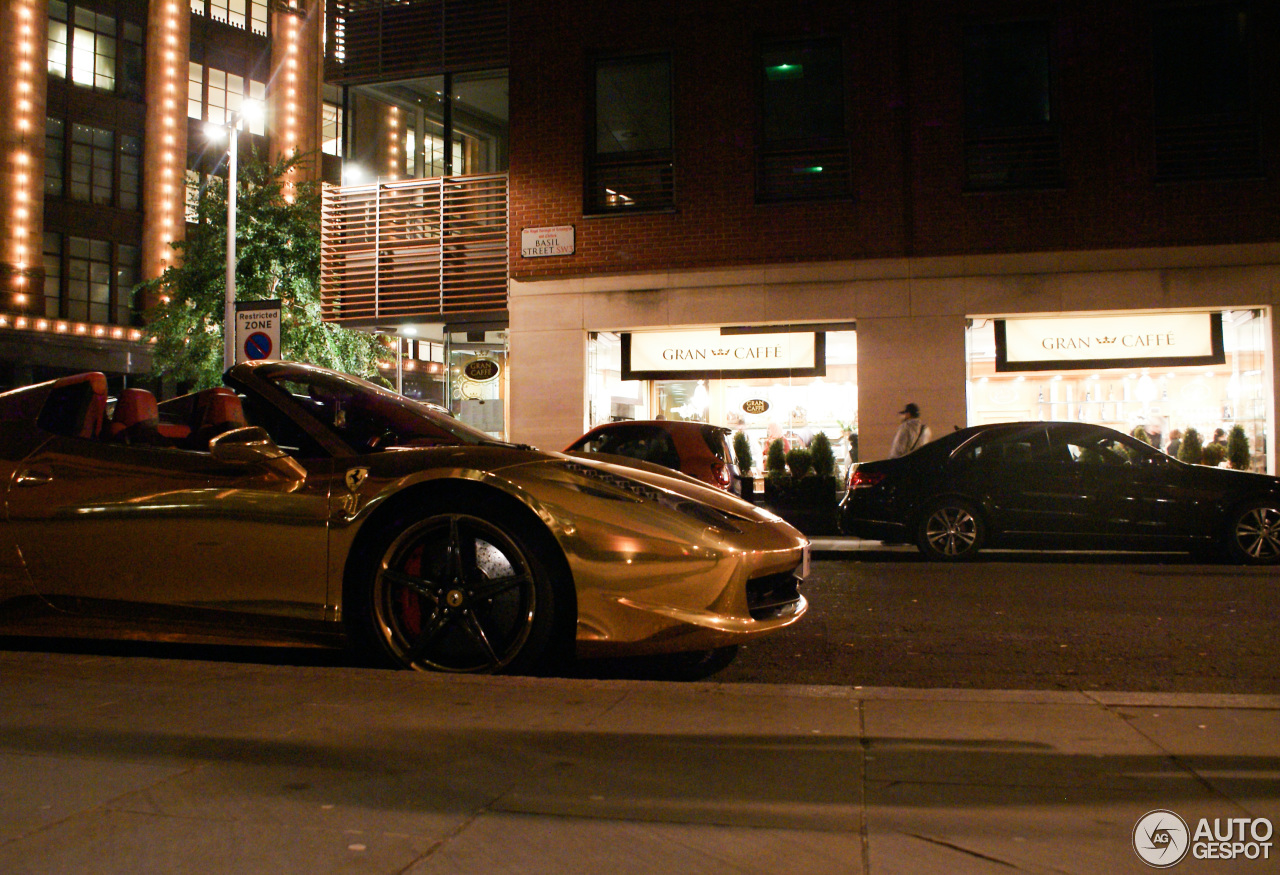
<point>1206,125</point>
<point>630,166</point>
<point>1011,137</point>
<point>803,144</point>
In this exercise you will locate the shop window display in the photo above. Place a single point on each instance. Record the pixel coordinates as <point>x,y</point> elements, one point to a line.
<point>1151,402</point>
<point>793,409</point>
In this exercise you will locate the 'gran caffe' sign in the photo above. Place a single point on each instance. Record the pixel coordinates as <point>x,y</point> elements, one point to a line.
<point>1086,342</point>
<point>715,353</point>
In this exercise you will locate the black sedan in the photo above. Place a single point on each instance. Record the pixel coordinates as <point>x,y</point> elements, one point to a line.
<point>1061,485</point>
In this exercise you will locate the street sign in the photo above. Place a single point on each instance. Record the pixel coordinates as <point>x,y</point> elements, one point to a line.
<point>257,330</point>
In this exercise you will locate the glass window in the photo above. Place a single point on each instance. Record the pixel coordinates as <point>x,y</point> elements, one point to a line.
<point>803,150</point>
<point>130,172</point>
<point>93,50</point>
<point>128,262</point>
<point>216,96</point>
<point>631,165</point>
<point>58,41</point>
<point>54,155</point>
<point>132,68</point>
<point>92,154</point>
<point>398,128</point>
<point>52,275</point>
<point>1205,121</point>
<point>1011,140</point>
<point>331,129</point>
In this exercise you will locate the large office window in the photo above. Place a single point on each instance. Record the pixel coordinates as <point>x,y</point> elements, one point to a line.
<point>92,159</point>
<point>1206,125</point>
<point>216,96</point>
<point>630,167</point>
<point>802,150</point>
<point>92,165</point>
<point>95,49</point>
<point>89,280</point>
<point>244,14</point>
<point>1011,137</point>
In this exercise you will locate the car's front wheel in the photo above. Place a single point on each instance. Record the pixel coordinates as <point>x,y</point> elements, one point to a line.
<point>1254,533</point>
<point>950,531</point>
<point>458,590</point>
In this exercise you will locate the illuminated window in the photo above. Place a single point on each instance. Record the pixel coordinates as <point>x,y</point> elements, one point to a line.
<point>194,181</point>
<point>230,11</point>
<point>331,129</point>
<point>93,50</point>
<point>216,96</point>
<point>58,39</point>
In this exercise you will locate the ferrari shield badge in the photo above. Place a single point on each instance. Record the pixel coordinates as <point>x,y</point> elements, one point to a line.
<point>355,478</point>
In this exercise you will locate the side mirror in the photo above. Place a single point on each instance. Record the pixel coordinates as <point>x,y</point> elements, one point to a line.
<point>250,445</point>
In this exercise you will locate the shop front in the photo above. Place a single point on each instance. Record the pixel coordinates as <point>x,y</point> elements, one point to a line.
<point>1156,375</point>
<point>786,382</point>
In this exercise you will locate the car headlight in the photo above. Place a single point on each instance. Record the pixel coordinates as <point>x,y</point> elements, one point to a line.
<point>624,488</point>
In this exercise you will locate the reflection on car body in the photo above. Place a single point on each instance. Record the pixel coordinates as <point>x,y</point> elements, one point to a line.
<point>1060,484</point>
<point>297,503</point>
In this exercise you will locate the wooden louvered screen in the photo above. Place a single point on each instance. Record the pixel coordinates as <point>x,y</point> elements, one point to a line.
<point>428,250</point>
<point>373,40</point>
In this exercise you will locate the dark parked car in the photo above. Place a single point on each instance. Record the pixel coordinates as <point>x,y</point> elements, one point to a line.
<point>694,448</point>
<point>1060,485</point>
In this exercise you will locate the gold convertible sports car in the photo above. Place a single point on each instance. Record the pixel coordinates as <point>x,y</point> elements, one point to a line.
<point>299,505</point>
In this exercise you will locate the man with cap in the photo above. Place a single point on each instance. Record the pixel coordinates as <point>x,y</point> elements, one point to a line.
<point>911,434</point>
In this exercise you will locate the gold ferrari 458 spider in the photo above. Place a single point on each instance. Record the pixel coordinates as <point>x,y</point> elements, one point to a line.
<point>297,504</point>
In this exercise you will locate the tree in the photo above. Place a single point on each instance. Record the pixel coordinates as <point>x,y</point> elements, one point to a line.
<point>277,257</point>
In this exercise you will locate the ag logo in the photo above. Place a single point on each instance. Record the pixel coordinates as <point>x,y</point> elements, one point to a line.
<point>355,478</point>
<point>1161,839</point>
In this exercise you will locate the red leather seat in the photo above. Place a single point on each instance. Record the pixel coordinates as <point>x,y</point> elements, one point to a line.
<point>221,411</point>
<point>136,419</point>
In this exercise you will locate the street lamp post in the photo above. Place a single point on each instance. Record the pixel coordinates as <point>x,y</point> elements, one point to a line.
<point>229,312</point>
<point>249,109</point>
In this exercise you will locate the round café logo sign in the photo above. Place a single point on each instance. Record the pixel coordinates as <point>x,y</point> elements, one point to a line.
<point>755,405</point>
<point>481,370</point>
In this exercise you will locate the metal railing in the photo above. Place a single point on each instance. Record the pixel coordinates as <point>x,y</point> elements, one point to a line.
<point>421,249</point>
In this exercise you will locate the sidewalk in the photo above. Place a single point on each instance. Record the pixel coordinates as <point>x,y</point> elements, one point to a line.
<point>133,765</point>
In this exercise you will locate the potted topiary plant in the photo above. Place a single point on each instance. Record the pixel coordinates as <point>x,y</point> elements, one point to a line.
<point>746,461</point>
<point>777,481</point>
<point>1192,448</point>
<point>1213,455</point>
<point>1238,449</point>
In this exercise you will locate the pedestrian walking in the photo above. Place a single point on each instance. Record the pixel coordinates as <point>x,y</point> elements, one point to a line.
<point>912,433</point>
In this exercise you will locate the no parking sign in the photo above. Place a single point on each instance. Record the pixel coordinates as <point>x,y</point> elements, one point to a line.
<point>257,330</point>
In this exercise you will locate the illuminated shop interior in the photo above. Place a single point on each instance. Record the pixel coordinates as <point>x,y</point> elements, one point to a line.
<point>766,408</point>
<point>1158,399</point>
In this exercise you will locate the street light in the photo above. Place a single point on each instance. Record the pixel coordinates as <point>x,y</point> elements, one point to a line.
<point>251,110</point>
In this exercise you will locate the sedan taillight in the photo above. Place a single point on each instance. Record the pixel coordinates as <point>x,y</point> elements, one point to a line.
<point>862,479</point>
<point>720,471</point>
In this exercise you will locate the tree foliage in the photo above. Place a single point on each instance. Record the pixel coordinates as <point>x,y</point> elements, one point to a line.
<point>277,257</point>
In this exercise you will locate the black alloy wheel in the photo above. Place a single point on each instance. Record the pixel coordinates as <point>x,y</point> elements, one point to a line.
<point>1254,536</point>
<point>456,592</point>
<point>950,531</point>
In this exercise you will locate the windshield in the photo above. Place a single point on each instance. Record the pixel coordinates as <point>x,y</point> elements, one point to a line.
<point>369,418</point>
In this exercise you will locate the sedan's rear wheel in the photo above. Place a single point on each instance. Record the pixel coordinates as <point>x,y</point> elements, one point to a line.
<point>1254,536</point>
<point>454,591</point>
<point>950,531</point>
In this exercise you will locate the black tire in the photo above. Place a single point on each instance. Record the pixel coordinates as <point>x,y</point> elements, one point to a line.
<point>950,530</point>
<point>1253,533</point>
<point>457,589</point>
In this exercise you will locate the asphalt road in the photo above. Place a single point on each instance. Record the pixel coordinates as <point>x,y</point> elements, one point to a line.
<point>1019,621</point>
<point>1011,621</point>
